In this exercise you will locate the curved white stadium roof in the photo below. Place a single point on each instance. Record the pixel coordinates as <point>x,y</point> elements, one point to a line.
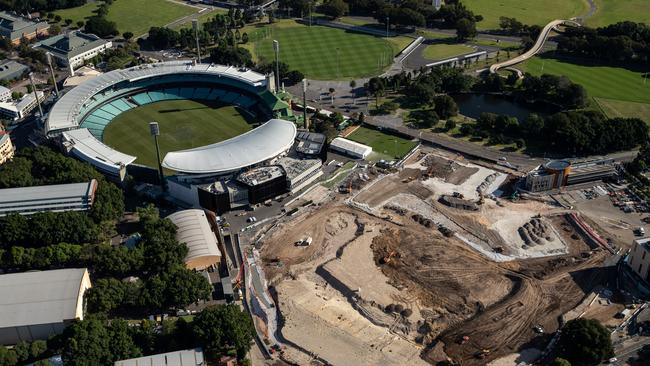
<point>263,143</point>
<point>193,230</point>
<point>65,113</point>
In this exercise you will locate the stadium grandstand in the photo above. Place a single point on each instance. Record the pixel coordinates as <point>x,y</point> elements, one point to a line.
<point>80,116</point>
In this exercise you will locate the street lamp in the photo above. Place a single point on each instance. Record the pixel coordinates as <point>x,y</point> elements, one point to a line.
<point>387,25</point>
<point>195,26</point>
<point>154,130</point>
<point>276,48</point>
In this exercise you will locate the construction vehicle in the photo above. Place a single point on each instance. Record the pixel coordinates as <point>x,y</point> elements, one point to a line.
<point>304,242</point>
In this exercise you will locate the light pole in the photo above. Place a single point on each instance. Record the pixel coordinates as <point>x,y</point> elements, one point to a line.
<point>276,48</point>
<point>49,61</point>
<point>195,25</point>
<point>154,129</point>
<point>38,101</point>
<point>387,25</point>
<point>304,103</point>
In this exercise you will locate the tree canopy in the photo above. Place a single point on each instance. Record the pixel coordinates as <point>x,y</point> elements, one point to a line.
<point>585,342</point>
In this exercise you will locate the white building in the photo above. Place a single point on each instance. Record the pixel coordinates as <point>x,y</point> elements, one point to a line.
<point>5,94</point>
<point>36,305</point>
<point>74,48</point>
<point>639,259</point>
<point>350,148</point>
<point>189,357</point>
<point>20,109</point>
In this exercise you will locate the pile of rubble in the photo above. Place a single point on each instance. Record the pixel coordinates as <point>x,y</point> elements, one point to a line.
<point>534,232</point>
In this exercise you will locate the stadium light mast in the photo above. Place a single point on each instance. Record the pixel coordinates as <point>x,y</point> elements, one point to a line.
<point>304,103</point>
<point>276,48</point>
<point>154,129</point>
<point>195,25</point>
<point>38,101</point>
<point>49,61</point>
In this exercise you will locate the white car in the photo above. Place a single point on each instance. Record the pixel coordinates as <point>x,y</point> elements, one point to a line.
<point>612,360</point>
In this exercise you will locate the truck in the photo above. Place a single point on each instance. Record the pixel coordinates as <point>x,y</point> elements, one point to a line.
<point>304,242</point>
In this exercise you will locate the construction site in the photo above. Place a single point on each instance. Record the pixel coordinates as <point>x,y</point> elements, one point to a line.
<point>437,261</point>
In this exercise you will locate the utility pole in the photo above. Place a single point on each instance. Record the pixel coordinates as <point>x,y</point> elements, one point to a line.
<point>304,103</point>
<point>276,48</point>
<point>38,101</point>
<point>49,61</point>
<point>154,129</point>
<point>195,25</point>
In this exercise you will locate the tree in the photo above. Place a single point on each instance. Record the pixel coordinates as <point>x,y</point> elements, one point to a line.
<point>121,343</point>
<point>57,18</point>
<point>80,24</point>
<point>559,361</point>
<point>127,35</point>
<point>105,295</point>
<point>465,29</point>
<point>22,351</point>
<point>163,37</point>
<point>335,8</point>
<point>224,327</point>
<point>445,106</point>
<point>376,87</point>
<point>244,38</point>
<point>68,22</point>
<point>585,341</point>
<point>7,356</point>
<point>54,29</point>
<point>101,27</point>
<point>37,349</point>
<point>450,125</point>
<point>86,342</point>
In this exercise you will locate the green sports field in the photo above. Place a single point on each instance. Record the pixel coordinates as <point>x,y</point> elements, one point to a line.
<point>133,16</point>
<point>526,11</point>
<point>326,53</point>
<point>384,146</point>
<point>613,11</point>
<point>183,124</point>
<point>623,91</point>
<point>443,51</point>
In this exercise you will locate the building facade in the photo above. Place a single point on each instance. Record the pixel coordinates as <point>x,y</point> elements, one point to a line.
<point>52,198</point>
<point>7,149</point>
<point>15,27</point>
<point>18,110</point>
<point>73,49</point>
<point>639,259</point>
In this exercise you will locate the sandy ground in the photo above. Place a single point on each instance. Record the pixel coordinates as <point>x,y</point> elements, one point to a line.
<point>528,356</point>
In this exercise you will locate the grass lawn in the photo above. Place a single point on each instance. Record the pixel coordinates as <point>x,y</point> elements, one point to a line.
<point>133,16</point>
<point>619,108</point>
<point>82,12</point>
<point>443,51</point>
<point>505,45</point>
<point>204,17</point>
<point>384,146</point>
<point>526,11</point>
<point>183,124</point>
<point>600,81</point>
<point>613,11</point>
<point>313,50</point>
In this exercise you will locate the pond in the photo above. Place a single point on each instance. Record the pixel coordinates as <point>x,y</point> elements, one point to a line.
<point>472,105</point>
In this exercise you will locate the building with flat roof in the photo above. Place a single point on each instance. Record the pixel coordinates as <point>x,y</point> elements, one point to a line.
<point>193,229</point>
<point>556,174</point>
<point>10,70</point>
<point>7,149</point>
<point>72,49</point>
<point>300,172</point>
<point>14,27</point>
<point>36,305</point>
<point>188,357</point>
<point>310,144</point>
<point>5,94</point>
<point>639,259</point>
<point>350,148</point>
<point>20,109</point>
<point>55,198</point>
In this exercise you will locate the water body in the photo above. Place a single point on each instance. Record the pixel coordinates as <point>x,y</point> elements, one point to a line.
<point>472,105</point>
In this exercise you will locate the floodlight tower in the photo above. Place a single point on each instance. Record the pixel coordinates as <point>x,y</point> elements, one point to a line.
<point>154,130</point>
<point>276,48</point>
<point>49,61</point>
<point>195,26</point>
<point>38,101</point>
